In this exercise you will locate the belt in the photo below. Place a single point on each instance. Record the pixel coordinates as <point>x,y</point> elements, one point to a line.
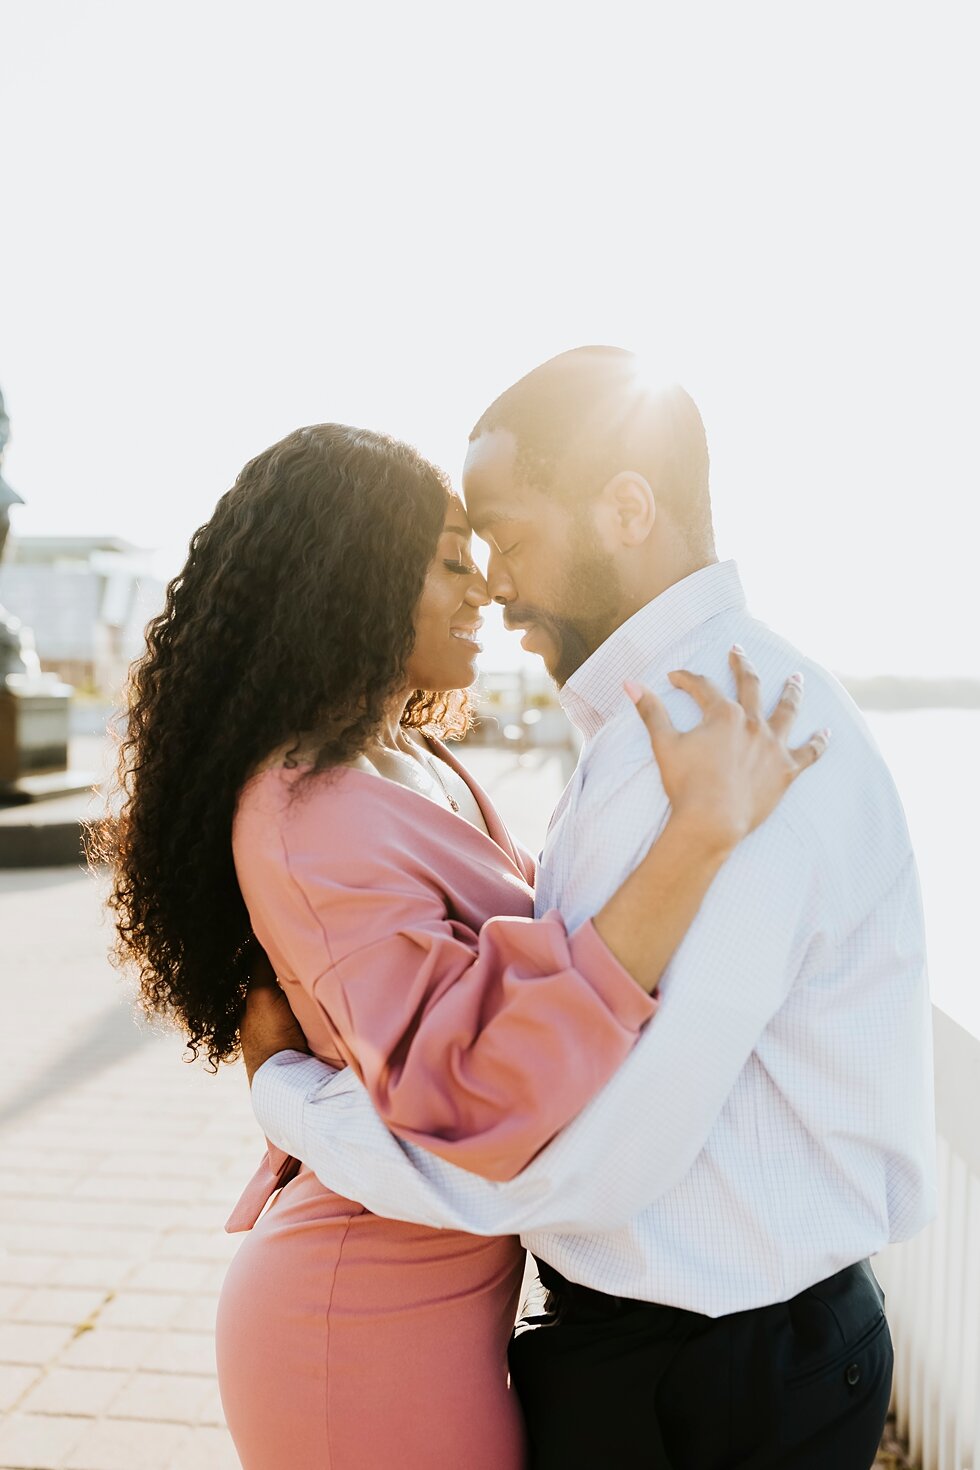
<point>569,1299</point>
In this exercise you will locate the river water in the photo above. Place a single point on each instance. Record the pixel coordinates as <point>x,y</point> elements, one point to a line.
<point>934,756</point>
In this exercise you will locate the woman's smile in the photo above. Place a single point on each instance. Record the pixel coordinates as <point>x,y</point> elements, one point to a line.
<point>466,633</point>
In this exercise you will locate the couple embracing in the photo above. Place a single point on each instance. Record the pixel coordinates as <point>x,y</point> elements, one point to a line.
<point>683,1058</point>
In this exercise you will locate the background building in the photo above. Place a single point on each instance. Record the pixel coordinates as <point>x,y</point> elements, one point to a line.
<point>87,599</point>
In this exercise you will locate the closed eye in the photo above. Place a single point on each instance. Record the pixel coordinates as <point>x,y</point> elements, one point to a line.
<point>461,568</point>
<point>506,550</point>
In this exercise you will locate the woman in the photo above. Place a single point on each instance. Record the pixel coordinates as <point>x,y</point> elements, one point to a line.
<point>283,781</point>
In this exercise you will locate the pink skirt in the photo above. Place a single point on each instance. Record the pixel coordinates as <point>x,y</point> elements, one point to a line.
<point>348,1342</point>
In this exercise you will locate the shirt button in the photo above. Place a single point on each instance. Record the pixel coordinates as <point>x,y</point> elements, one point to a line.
<point>853,1375</point>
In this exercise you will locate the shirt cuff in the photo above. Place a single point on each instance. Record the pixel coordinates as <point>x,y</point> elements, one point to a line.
<point>280,1090</point>
<point>613,984</point>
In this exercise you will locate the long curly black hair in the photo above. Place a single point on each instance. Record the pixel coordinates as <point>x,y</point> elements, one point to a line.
<point>293,618</point>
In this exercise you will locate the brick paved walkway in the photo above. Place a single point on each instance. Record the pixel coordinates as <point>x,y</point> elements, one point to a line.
<point>117,1168</point>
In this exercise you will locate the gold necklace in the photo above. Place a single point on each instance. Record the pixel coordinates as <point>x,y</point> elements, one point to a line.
<point>434,765</point>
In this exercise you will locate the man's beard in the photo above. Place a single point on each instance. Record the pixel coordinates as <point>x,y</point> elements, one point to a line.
<point>591,602</point>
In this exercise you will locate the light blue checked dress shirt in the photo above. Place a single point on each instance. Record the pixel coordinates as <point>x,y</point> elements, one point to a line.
<point>774,1122</point>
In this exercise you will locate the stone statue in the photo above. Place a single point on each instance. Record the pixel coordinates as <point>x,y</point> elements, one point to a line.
<point>17,654</point>
<point>8,497</point>
<point>34,709</point>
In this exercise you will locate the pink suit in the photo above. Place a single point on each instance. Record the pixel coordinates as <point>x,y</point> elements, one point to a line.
<point>402,936</point>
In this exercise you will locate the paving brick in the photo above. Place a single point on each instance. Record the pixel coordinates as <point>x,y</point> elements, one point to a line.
<point>32,1183</point>
<point>199,1245</point>
<point>76,1391</point>
<point>211,1216</point>
<point>235,1171</point>
<point>208,1449</point>
<point>182,1352</point>
<point>212,1410</point>
<point>14,1383</point>
<point>28,1270</point>
<point>95,1271</point>
<point>174,1397</point>
<point>148,1309</point>
<point>222,1197</point>
<point>116,1136</point>
<point>39,1441</point>
<point>110,1214</point>
<point>22,1342</point>
<point>68,1305</point>
<point>10,1296</point>
<point>69,1240</point>
<point>195,1314</point>
<point>128,1187</point>
<point>215,1278</point>
<point>115,1444</point>
<point>106,1348</point>
<point>18,1163</point>
<point>158,1165</point>
<point>172,1276</point>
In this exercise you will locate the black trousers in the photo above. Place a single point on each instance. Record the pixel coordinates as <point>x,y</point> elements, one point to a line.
<point>608,1384</point>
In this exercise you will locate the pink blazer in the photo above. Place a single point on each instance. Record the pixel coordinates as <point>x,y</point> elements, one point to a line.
<point>404,940</point>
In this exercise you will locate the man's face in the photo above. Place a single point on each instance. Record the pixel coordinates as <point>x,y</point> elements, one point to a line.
<point>547,567</point>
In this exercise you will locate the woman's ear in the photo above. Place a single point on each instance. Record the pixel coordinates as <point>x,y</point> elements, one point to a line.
<point>628,508</point>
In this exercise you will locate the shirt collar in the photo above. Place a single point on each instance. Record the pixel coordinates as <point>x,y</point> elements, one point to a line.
<point>594,693</point>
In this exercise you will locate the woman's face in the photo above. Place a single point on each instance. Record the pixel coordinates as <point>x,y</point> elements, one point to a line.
<point>447,618</point>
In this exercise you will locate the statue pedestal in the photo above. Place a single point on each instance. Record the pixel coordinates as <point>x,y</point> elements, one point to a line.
<point>34,743</point>
<point>43,805</point>
<point>33,731</point>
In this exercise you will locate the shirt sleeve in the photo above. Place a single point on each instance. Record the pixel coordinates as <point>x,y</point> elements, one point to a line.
<point>759,929</point>
<point>479,1046</point>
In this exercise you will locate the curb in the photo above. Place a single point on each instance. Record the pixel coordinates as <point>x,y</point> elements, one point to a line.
<point>41,845</point>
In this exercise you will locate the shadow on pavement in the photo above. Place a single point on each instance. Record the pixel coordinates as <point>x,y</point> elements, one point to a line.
<point>104,1041</point>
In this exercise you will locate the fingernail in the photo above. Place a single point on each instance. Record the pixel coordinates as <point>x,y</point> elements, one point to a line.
<point>737,648</point>
<point>634,691</point>
<point>796,679</point>
<point>826,732</point>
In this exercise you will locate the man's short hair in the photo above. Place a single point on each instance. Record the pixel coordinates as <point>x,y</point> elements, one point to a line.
<point>583,416</point>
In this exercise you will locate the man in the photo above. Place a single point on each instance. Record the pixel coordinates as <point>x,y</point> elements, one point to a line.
<point>703,1227</point>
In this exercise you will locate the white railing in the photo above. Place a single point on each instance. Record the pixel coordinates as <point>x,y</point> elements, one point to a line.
<point>932,1283</point>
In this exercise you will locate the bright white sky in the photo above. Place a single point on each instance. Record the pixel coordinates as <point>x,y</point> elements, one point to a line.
<point>222,220</point>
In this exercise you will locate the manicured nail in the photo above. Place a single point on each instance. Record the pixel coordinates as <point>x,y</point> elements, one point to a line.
<point>634,691</point>
<point>737,648</point>
<point>796,679</point>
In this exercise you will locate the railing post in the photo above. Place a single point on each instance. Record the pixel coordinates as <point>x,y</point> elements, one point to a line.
<point>932,1283</point>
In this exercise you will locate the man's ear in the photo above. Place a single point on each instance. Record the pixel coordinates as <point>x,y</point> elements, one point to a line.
<point>628,508</point>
